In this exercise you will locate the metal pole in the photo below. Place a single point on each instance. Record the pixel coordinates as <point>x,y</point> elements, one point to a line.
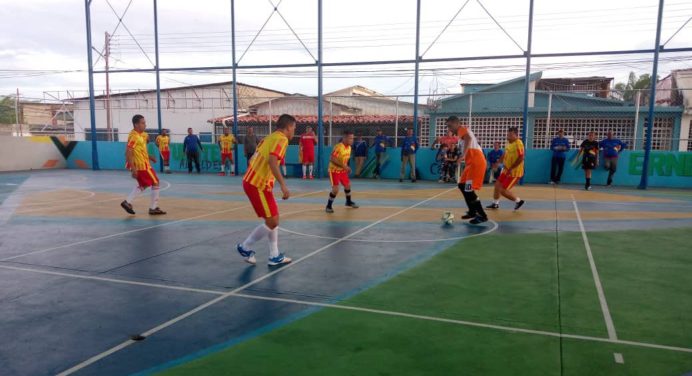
<point>331,119</point>
<point>320,125</point>
<point>16,113</point>
<point>470,109</point>
<point>235,87</point>
<point>270,117</point>
<point>636,118</point>
<point>547,123</point>
<point>415,74</point>
<point>92,104</point>
<point>652,101</point>
<point>396,123</point>
<point>106,55</point>
<point>158,75</point>
<point>525,132</point>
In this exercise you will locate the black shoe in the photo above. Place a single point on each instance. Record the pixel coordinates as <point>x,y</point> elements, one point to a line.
<point>156,211</point>
<point>468,215</point>
<point>127,206</point>
<point>401,180</point>
<point>413,180</point>
<point>518,205</point>
<point>352,205</point>
<point>329,210</point>
<point>478,220</point>
<point>493,206</point>
<point>588,188</point>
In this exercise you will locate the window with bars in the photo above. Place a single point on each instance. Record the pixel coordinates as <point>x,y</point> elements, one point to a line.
<point>662,134</point>
<point>424,137</point>
<point>494,128</point>
<point>440,127</point>
<point>577,130</point>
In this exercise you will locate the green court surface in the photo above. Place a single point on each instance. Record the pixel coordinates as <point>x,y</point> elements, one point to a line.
<point>501,304</point>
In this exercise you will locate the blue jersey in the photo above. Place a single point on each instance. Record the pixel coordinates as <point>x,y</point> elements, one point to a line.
<point>191,143</point>
<point>409,145</point>
<point>495,155</point>
<point>361,148</point>
<point>560,147</point>
<point>612,147</point>
<point>381,143</point>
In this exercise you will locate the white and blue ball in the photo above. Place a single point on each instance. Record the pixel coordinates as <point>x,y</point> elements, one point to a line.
<point>447,218</point>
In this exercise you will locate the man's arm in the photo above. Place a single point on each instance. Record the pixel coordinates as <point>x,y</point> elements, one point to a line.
<point>339,164</point>
<point>185,145</point>
<point>128,160</point>
<point>199,143</point>
<point>274,167</point>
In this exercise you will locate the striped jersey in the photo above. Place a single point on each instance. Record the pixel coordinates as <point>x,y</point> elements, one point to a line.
<point>259,174</point>
<point>226,143</point>
<point>137,142</point>
<point>163,142</point>
<point>341,152</point>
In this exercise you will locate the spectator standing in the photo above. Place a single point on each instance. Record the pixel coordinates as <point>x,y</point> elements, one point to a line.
<point>409,147</point>
<point>307,152</point>
<point>560,147</point>
<point>361,151</point>
<point>495,161</point>
<point>250,142</point>
<point>611,151</point>
<point>441,160</point>
<point>381,142</point>
<point>191,147</point>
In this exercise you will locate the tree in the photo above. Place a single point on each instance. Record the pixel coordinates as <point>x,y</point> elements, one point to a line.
<point>634,84</point>
<point>7,111</point>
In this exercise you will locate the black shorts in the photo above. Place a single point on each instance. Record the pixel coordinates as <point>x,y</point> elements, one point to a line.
<point>588,162</point>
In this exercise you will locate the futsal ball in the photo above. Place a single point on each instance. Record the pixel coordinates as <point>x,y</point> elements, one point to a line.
<point>447,218</point>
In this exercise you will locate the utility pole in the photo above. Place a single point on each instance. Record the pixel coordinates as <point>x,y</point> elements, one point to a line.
<point>109,126</point>
<point>16,113</point>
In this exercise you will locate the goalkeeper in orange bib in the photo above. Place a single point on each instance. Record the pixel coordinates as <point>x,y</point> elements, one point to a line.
<point>258,184</point>
<point>138,162</point>
<point>226,142</point>
<point>471,179</point>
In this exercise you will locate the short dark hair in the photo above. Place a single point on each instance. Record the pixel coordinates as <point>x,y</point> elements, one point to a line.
<point>452,119</point>
<point>347,132</point>
<point>513,130</point>
<point>136,119</point>
<point>284,121</point>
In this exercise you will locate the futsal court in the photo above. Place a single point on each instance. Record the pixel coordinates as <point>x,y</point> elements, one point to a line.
<point>575,283</point>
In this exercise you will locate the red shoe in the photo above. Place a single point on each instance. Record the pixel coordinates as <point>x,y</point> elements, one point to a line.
<point>221,174</point>
<point>312,177</point>
<point>232,173</point>
<point>304,177</point>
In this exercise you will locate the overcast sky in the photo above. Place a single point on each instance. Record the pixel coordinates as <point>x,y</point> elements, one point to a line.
<point>41,38</point>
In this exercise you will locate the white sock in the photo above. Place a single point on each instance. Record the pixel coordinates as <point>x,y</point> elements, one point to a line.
<point>154,198</point>
<point>496,202</point>
<point>304,169</point>
<point>258,233</point>
<point>311,170</point>
<point>222,167</point>
<point>273,242</point>
<point>517,200</point>
<point>135,192</point>
<point>283,168</point>
<point>232,168</point>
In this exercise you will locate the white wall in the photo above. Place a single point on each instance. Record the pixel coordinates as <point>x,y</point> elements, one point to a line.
<point>29,153</point>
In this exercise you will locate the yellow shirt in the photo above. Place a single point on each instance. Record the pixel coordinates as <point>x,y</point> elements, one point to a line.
<point>162,142</point>
<point>513,150</point>
<point>259,174</point>
<point>137,142</point>
<point>226,143</point>
<point>342,152</point>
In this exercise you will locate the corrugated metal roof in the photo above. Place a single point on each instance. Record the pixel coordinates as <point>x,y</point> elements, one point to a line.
<point>312,119</point>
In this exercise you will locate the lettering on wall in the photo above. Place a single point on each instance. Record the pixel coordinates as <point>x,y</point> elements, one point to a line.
<point>662,164</point>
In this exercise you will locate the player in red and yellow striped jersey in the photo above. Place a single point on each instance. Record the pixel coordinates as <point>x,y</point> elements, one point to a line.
<point>258,184</point>
<point>471,179</point>
<point>138,162</point>
<point>163,143</point>
<point>226,143</point>
<point>513,171</point>
<point>339,170</point>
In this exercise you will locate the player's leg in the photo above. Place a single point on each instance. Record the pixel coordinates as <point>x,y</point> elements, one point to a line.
<point>346,182</point>
<point>311,167</point>
<point>127,204</point>
<point>150,179</point>
<point>305,170</point>
<point>611,166</point>
<point>231,172</point>
<point>333,179</point>
<point>404,161</point>
<point>265,207</point>
<point>412,161</point>
<point>465,179</point>
<point>378,156</point>
<point>506,186</point>
<point>497,187</point>
<point>189,162</point>
<point>223,164</point>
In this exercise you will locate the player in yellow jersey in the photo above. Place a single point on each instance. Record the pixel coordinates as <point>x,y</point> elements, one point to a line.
<point>258,184</point>
<point>339,170</point>
<point>226,143</point>
<point>513,171</point>
<point>163,143</point>
<point>138,162</point>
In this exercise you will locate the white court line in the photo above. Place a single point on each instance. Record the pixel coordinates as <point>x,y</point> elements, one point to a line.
<point>597,280</point>
<point>201,307</point>
<point>361,309</point>
<point>244,206</point>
